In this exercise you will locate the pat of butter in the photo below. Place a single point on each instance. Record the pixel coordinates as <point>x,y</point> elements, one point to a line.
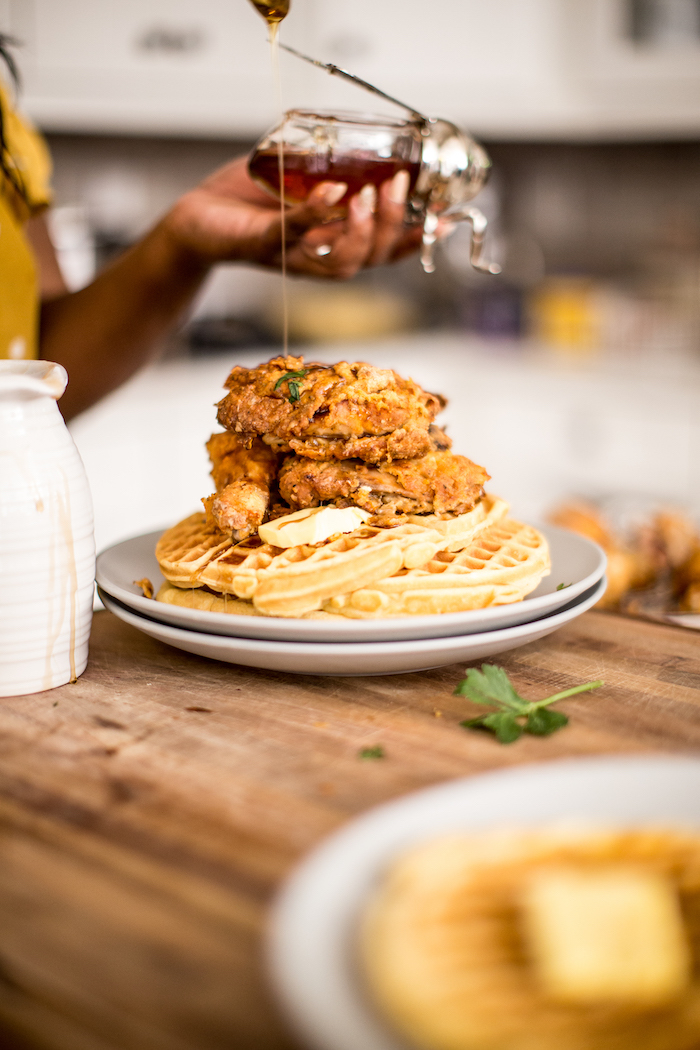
<point>312,525</point>
<point>607,935</point>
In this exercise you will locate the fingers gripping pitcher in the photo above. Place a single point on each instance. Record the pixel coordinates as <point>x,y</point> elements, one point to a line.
<point>47,551</point>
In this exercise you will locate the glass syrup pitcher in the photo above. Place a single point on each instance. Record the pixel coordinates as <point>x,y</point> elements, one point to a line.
<point>446,167</point>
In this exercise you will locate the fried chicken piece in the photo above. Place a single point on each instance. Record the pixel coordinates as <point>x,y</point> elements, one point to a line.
<point>438,483</point>
<point>677,537</point>
<point>342,411</point>
<point>243,477</point>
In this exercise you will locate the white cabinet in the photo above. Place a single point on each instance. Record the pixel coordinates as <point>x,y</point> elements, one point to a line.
<point>620,85</point>
<point>519,68</point>
<point>165,66</point>
<point>489,64</point>
<point>504,68</point>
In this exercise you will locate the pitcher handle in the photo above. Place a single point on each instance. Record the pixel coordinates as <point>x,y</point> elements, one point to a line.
<point>459,213</point>
<point>478,222</point>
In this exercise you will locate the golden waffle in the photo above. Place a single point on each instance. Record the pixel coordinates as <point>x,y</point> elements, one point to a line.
<point>298,580</point>
<point>341,566</point>
<point>207,601</point>
<point>444,943</point>
<point>460,530</point>
<point>294,581</point>
<point>501,565</point>
<point>291,582</point>
<point>184,550</point>
<point>194,553</point>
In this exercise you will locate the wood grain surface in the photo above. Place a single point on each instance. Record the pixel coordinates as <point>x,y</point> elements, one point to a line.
<point>149,812</point>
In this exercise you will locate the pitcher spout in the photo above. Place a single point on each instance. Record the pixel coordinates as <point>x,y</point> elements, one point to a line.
<point>41,378</point>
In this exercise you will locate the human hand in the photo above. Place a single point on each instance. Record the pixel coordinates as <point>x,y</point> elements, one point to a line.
<point>228,217</point>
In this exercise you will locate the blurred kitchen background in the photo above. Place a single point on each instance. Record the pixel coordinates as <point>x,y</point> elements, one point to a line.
<point>576,372</point>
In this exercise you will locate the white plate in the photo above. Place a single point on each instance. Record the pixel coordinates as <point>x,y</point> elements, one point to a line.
<point>314,923</point>
<point>354,658</point>
<point>575,561</point>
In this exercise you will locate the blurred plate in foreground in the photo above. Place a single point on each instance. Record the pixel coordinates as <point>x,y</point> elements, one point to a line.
<point>313,955</point>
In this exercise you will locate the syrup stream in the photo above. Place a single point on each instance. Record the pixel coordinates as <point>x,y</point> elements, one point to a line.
<point>277,78</point>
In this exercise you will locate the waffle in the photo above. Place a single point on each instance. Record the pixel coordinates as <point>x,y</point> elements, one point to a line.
<point>502,564</point>
<point>207,601</point>
<point>444,953</point>
<point>194,553</point>
<point>459,531</point>
<point>299,580</point>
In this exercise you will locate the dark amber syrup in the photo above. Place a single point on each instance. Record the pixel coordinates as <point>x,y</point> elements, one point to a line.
<point>272,12</point>
<point>304,170</point>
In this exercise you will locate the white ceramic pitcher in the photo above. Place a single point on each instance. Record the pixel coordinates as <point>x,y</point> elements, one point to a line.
<point>47,548</point>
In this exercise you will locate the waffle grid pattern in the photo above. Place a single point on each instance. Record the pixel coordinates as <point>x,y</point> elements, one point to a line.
<point>423,566</point>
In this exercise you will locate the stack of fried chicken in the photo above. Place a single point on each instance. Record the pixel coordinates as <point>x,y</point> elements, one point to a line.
<point>300,435</point>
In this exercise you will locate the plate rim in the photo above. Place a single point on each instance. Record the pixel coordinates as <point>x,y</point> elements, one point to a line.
<point>452,621</point>
<point>268,645</point>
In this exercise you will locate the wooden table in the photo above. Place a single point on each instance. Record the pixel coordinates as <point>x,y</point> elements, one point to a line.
<point>150,811</point>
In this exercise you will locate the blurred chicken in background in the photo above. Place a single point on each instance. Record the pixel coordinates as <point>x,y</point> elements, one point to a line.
<point>661,555</point>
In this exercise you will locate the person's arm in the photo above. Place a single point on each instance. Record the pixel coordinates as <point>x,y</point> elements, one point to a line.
<point>51,283</point>
<point>104,332</point>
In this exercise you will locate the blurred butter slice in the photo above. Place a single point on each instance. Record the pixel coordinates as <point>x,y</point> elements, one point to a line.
<point>608,935</point>
<point>312,525</point>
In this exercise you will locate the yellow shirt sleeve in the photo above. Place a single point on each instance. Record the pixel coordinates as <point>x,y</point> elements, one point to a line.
<point>25,193</point>
<point>28,159</point>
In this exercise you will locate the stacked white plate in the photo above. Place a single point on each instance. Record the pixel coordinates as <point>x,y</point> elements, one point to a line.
<point>354,647</point>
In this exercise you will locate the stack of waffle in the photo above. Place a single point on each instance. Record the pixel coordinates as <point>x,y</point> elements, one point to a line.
<point>299,437</point>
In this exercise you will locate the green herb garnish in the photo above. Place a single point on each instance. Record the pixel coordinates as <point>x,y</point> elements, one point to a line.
<point>291,378</point>
<point>515,715</point>
<point>371,752</point>
<point>563,586</point>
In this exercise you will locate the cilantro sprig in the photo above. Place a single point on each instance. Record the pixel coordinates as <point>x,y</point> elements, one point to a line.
<point>292,381</point>
<point>371,752</point>
<point>514,715</point>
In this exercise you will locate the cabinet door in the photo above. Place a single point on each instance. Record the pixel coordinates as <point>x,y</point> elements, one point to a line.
<point>517,68</point>
<point>479,63</point>
<point>636,75</point>
<point>503,68</point>
<point>168,66</point>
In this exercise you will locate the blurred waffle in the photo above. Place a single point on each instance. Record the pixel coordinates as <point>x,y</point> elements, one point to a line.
<point>452,945</point>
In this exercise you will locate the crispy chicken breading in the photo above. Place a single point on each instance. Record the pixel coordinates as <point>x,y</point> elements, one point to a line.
<point>437,483</point>
<point>243,478</point>
<point>330,411</point>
